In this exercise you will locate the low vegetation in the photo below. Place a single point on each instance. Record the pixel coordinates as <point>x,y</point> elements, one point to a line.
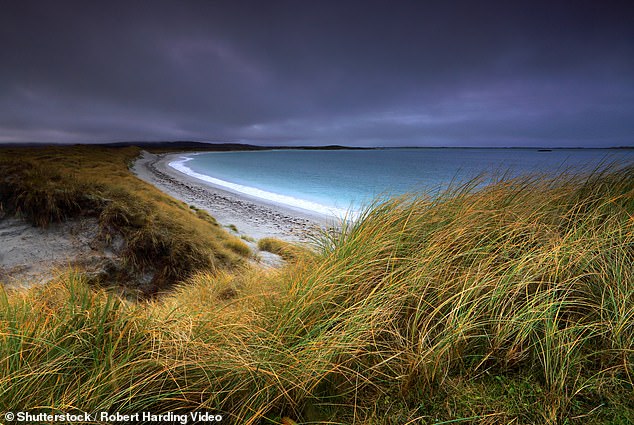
<point>286,250</point>
<point>512,303</point>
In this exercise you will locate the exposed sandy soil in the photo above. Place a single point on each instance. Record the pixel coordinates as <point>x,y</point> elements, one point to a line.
<point>31,255</point>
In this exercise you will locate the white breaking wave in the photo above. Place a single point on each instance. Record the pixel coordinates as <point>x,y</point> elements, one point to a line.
<point>263,194</point>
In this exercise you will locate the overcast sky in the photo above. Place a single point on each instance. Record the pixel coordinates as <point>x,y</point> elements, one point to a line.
<point>364,73</point>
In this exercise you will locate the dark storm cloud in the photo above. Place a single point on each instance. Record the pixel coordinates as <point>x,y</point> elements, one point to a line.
<point>358,73</point>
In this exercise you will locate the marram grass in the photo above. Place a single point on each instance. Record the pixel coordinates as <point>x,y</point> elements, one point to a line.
<point>509,304</point>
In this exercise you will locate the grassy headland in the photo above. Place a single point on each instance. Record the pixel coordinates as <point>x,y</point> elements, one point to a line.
<point>509,304</point>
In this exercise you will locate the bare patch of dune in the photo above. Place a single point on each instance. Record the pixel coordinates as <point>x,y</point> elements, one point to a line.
<point>32,255</point>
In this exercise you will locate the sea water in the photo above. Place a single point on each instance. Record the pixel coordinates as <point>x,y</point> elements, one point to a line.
<point>341,182</point>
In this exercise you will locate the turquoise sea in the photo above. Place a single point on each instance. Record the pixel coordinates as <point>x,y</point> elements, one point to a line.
<point>337,182</point>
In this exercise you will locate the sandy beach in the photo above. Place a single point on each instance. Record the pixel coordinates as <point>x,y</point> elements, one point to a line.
<point>253,217</point>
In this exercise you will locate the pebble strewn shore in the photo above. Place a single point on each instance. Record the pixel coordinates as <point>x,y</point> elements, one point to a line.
<point>252,217</point>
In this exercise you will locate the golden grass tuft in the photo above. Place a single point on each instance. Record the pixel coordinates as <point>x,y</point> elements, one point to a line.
<point>288,251</point>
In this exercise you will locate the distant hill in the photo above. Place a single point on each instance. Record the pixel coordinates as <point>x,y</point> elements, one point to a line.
<point>184,145</point>
<point>220,146</point>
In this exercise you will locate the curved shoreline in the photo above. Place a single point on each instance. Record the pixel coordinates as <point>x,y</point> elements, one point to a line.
<point>287,201</point>
<point>252,216</point>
